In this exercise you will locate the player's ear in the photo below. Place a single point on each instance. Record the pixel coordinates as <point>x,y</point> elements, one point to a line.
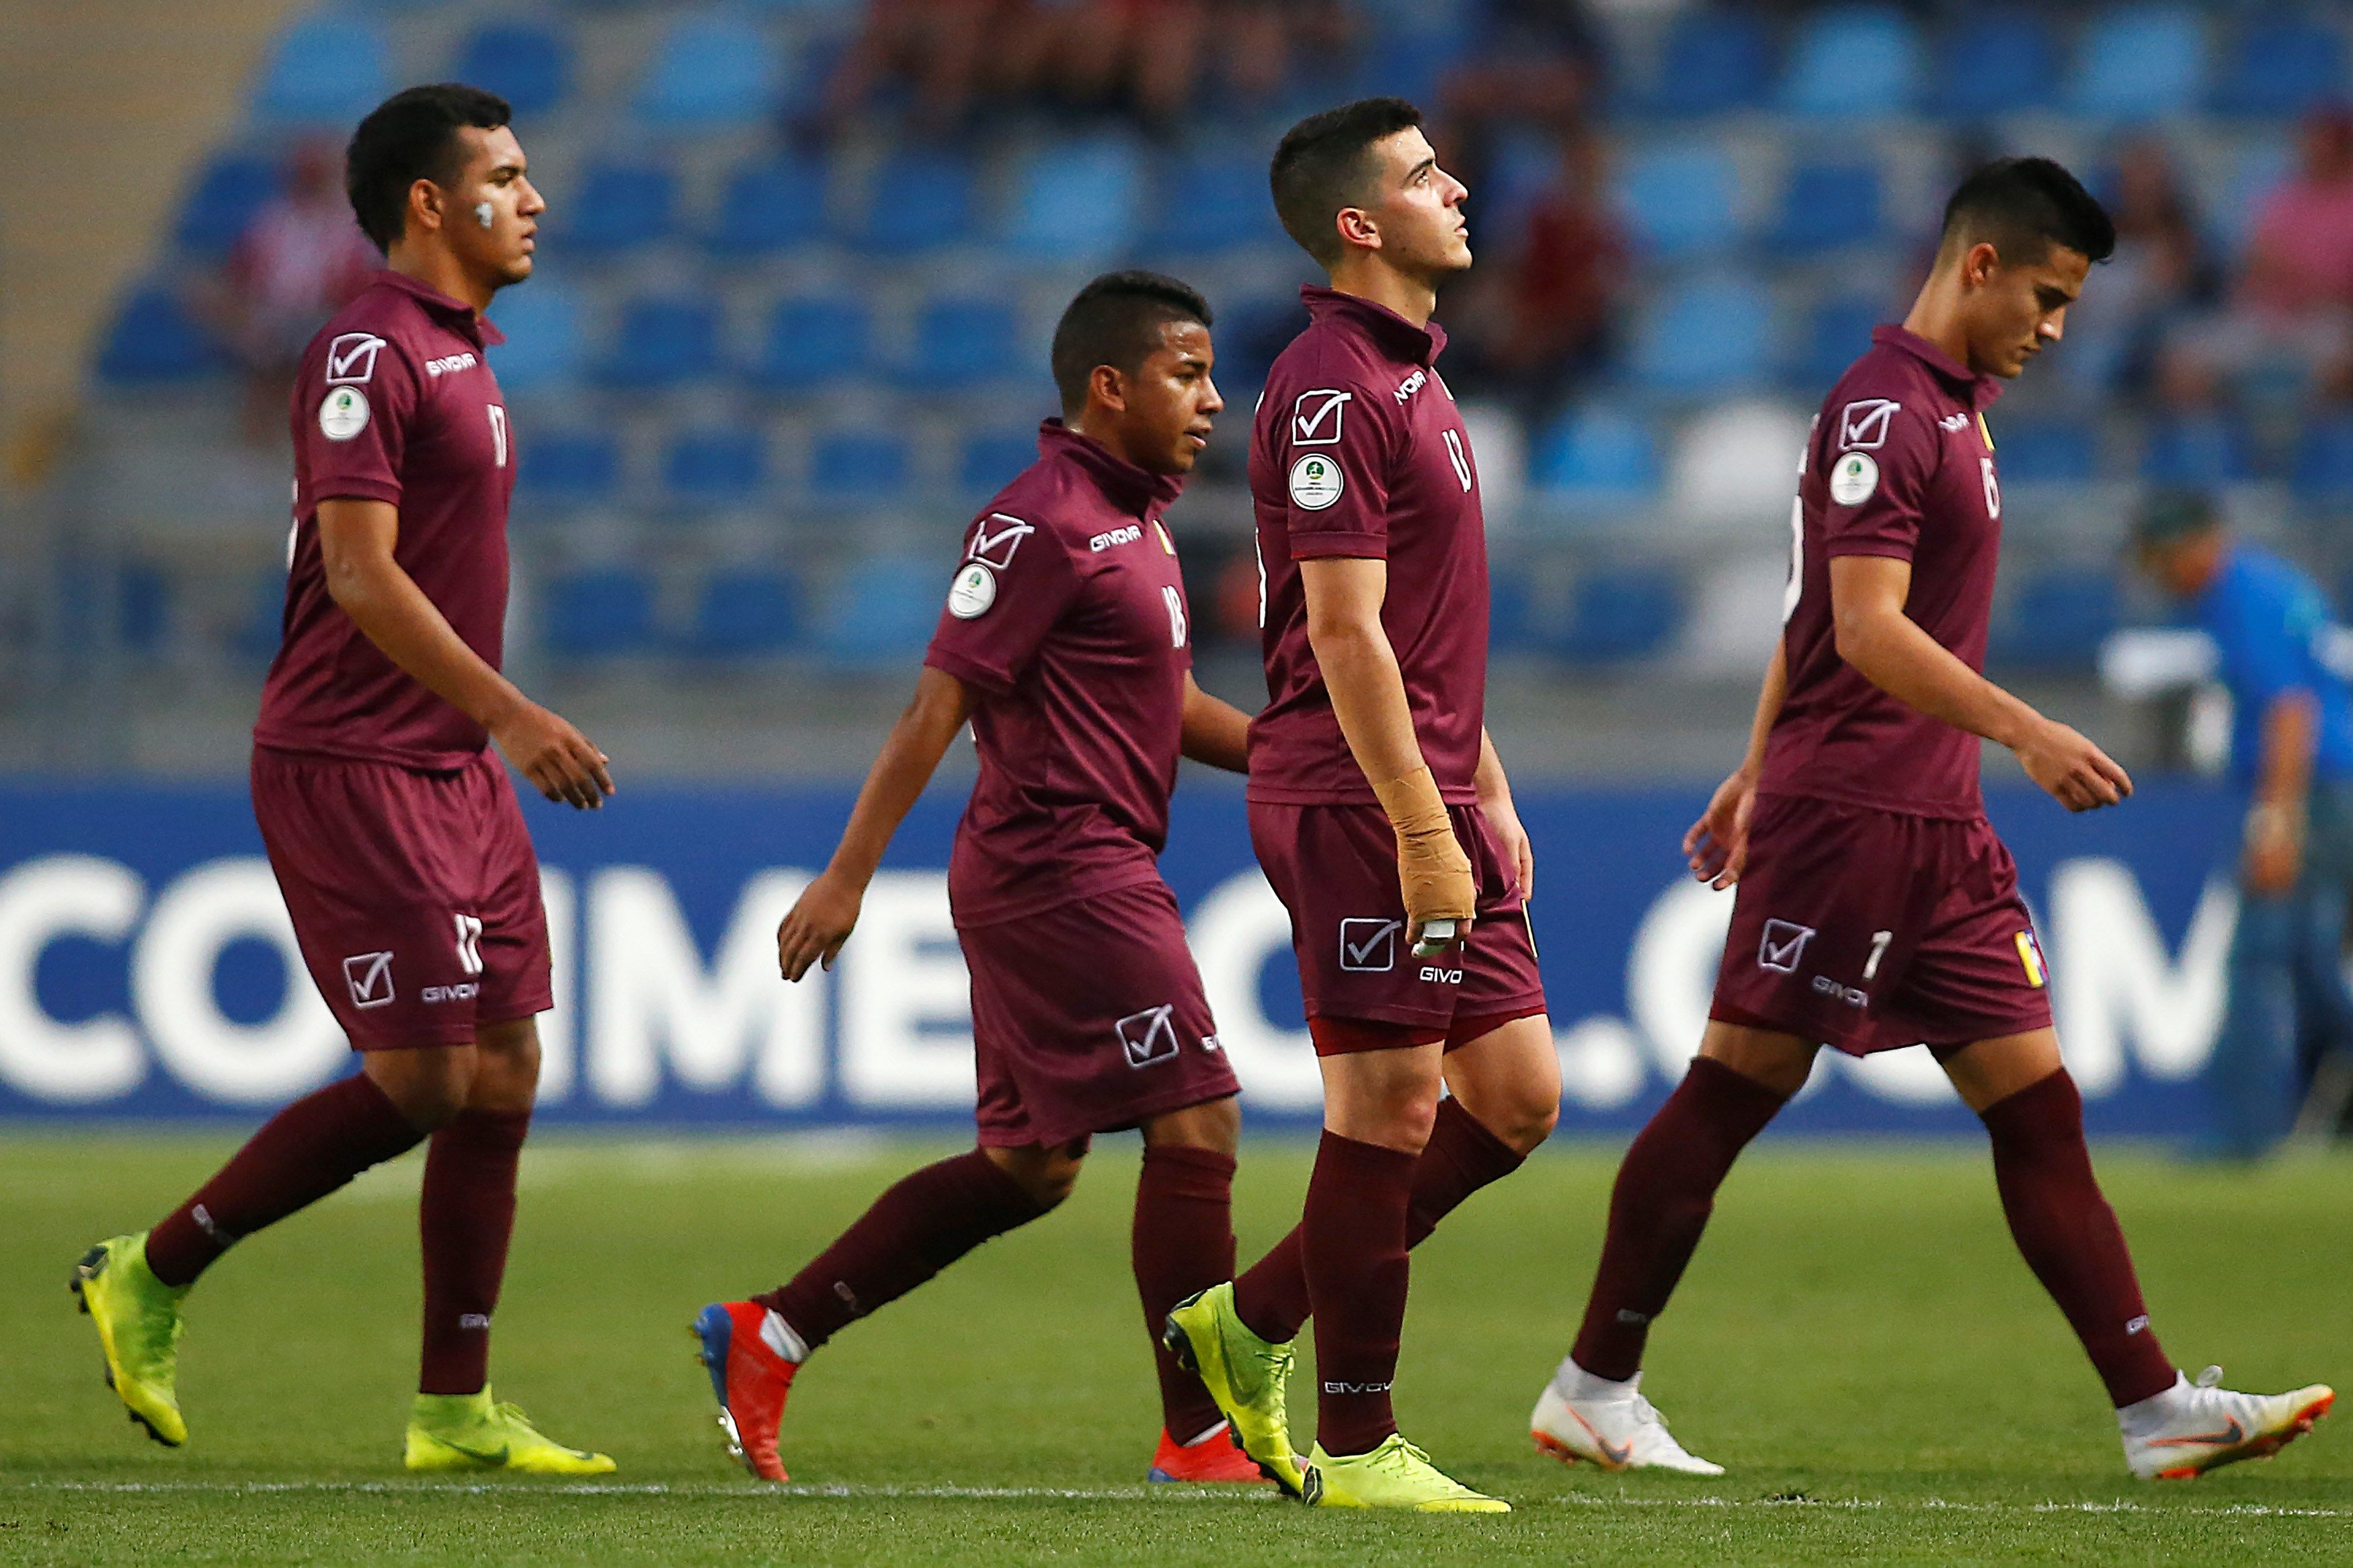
<point>1979,263</point>
<point>1107,386</point>
<point>424,205</point>
<point>1357,227</point>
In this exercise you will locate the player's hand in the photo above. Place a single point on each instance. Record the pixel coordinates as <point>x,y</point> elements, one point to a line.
<point>2275,856</point>
<point>1435,877</point>
<point>1716,848</point>
<point>2077,773</point>
<point>1505,818</point>
<point>821,920</point>
<point>561,762</point>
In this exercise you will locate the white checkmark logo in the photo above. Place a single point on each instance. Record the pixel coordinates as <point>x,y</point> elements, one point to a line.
<point>1368,946</point>
<point>1784,943</point>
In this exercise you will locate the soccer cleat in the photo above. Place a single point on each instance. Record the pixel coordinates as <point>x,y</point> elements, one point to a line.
<point>752,1379</point>
<point>139,1326</point>
<point>1216,1457</point>
<point>1394,1475</point>
<point>472,1432</point>
<point>1621,1434</point>
<point>2192,1428</point>
<point>1248,1376</point>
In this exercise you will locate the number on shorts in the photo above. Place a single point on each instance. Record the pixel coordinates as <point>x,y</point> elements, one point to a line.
<point>1879,940</point>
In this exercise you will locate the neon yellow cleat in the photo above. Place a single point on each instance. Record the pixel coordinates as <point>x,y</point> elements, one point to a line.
<point>468,1432</point>
<point>139,1326</point>
<point>1248,1376</point>
<point>1394,1475</point>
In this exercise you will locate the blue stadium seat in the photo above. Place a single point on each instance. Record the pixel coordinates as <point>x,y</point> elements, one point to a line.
<point>745,613</point>
<point>2054,454</point>
<point>153,341</point>
<point>618,207</point>
<point>541,323</point>
<point>328,71</point>
<point>2141,62</point>
<point>1837,334</point>
<point>1622,613</point>
<point>569,469</point>
<point>2058,621</point>
<point>528,65</point>
<point>769,207</point>
<point>1078,202</point>
<point>882,610</point>
<point>1679,200</point>
<point>1511,618</point>
<point>662,342</point>
<point>814,343</point>
<point>2280,66</point>
<point>716,468</point>
<point>2324,462</point>
<point>918,200</point>
<point>223,199</point>
<point>859,468</point>
<point>963,343</point>
<point>126,606</point>
<point>1712,336</point>
<point>1215,200</point>
<point>2200,451</point>
<point>1715,58</point>
<point>991,458</point>
<point>1596,459</point>
<point>258,633</point>
<point>1852,61</point>
<point>596,613</point>
<point>709,72</point>
<point>1828,206</point>
<point>1997,62</point>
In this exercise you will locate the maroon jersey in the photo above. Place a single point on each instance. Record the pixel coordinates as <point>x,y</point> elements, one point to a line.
<point>1357,451</point>
<point>1068,617</point>
<point>395,402</point>
<point>1899,464</point>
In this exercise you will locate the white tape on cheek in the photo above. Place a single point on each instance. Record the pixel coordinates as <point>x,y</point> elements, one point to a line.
<point>483,213</point>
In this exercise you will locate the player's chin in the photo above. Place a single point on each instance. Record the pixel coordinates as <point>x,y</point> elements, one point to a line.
<point>517,269</point>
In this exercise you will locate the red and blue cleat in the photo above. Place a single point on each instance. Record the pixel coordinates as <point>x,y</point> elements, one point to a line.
<point>750,1376</point>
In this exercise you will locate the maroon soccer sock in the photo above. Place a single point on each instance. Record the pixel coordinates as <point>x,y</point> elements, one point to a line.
<point>917,1228</point>
<point>1461,1157</point>
<point>1665,1191</point>
<point>1352,1239</point>
<point>2069,1235</point>
<point>1183,1242</point>
<point>465,1218</point>
<point>300,1154</point>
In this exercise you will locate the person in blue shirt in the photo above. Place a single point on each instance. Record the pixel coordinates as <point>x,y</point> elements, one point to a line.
<point>2292,753</point>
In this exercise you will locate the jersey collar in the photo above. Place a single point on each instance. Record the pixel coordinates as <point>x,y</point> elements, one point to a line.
<point>455,314</point>
<point>1976,390</point>
<point>1398,336</point>
<point>1126,486</point>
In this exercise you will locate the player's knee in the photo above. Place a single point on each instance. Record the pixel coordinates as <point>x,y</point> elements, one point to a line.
<point>429,1087</point>
<point>506,1067</point>
<point>1215,1127</point>
<point>1048,1173</point>
<point>1527,1121</point>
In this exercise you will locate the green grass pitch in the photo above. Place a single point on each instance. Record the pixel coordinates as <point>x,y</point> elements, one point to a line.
<point>1856,1340</point>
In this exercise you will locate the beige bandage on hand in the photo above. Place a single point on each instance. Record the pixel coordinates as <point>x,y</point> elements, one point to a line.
<point>1432,871</point>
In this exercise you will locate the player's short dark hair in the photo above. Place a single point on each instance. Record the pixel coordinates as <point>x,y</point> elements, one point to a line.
<point>1116,320</point>
<point>1325,164</point>
<point>411,136</point>
<point>2023,207</point>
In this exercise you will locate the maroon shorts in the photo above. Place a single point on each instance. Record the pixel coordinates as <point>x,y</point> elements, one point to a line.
<point>1873,930</point>
<point>415,894</point>
<point>1089,1017</point>
<point>1335,867</point>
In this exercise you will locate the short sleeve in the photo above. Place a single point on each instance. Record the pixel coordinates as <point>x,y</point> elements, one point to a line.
<point>356,402</point>
<point>1879,458</point>
<point>1336,447</point>
<point>1015,581</point>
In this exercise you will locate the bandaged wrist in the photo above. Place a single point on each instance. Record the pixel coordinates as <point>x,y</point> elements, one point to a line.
<point>1413,803</point>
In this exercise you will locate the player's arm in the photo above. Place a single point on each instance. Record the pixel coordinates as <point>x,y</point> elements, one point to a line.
<point>1716,848</point>
<point>1891,651</point>
<point>1344,594</point>
<point>2276,821</point>
<point>355,547</point>
<point>1495,804</point>
<point>827,911</point>
<point>1213,731</point>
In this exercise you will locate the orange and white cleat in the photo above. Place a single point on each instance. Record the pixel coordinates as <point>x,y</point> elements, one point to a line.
<point>2194,1427</point>
<point>1580,1416</point>
<point>1212,1457</point>
<point>744,1346</point>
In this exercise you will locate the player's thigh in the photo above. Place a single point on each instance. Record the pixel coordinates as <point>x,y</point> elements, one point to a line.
<point>1778,1060</point>
<point>1508,1077</point>
<point>1986,1072</point>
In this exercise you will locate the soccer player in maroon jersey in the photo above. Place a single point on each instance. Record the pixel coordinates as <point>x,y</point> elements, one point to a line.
<point>1066,643</point>
<point>391,826</point>
<point>1877,909</point>
<point>1379,810</point>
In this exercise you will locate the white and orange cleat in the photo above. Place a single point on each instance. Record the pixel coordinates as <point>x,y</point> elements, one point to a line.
<point>752,1356</point>
<point>1214,1456</point>
<point>1580,1416</point>
<point>2194,1427</point>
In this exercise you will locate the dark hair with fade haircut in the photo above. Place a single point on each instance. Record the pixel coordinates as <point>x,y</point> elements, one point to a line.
<point>1116,320</point>
<point>1323,165</point>
<point>2023,207</point>
<point>411,136</point>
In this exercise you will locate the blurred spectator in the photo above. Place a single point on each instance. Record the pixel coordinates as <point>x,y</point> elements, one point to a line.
<point>1532,65</point>
<point>299,260</point>
<point>2160,273</point>
<point>948,53</point>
